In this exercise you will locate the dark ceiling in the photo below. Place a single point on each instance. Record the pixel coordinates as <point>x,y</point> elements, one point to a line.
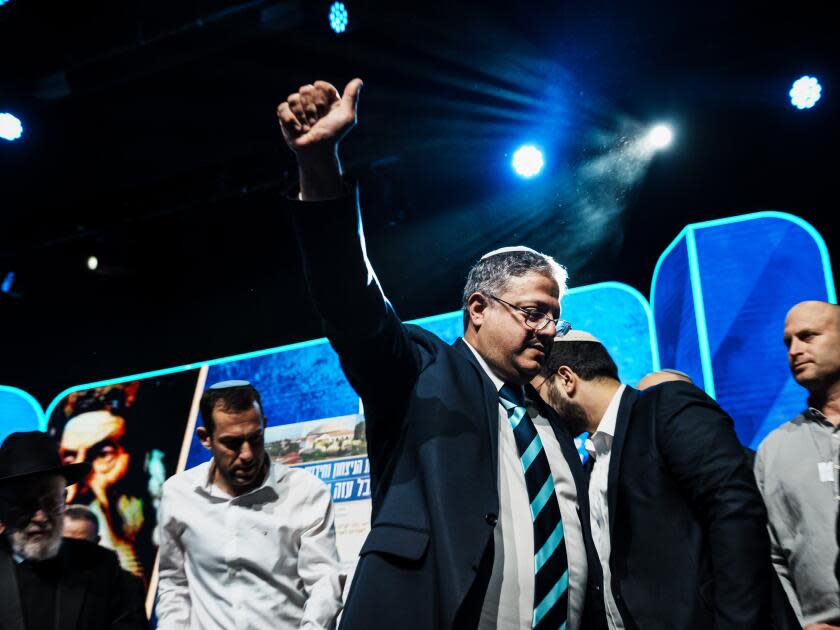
<point>151,142</point>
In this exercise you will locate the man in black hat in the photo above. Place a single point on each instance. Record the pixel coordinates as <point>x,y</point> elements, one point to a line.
<point>50,582</point>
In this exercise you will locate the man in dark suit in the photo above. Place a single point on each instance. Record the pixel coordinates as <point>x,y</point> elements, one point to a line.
<point>47,582</point>
<point>676,515</point>
<point>477,519</point>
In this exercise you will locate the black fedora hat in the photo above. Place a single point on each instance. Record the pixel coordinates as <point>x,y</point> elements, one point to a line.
<point>28,453</point>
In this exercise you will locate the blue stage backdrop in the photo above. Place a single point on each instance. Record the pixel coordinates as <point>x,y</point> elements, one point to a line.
<point>720,294</point>
<point>19,411</point>
<point>304,382</point>
<point>314,418</point>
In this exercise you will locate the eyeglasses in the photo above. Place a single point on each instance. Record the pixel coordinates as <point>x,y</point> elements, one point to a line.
<point>536,319</point>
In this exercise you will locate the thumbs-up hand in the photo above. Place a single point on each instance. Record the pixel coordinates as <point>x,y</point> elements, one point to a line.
<point>315,118</point>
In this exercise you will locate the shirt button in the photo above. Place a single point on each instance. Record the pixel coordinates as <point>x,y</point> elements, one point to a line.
<point>491,519</point>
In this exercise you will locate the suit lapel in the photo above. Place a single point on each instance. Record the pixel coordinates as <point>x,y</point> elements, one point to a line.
<point>625,407</point>
<point>11,613</point>
<point>491,402</point>
<point>70,594</point>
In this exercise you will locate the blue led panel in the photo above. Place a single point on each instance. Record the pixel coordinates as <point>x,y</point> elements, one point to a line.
<point>19,411</point>
<point>304,383</point>
<point>674,316</point>
<point>314,418</point>
<point>744,274</point>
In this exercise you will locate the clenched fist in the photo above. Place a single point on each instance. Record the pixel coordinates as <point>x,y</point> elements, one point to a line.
<point>316,118</point>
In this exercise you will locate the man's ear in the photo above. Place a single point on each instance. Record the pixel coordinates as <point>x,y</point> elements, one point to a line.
<point>205,437</point>
<point>568,380</point>
<point>477,303</point>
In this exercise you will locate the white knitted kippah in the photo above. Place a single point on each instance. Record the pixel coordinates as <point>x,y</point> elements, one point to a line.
<point>578,335</point>
<point>507,250</point>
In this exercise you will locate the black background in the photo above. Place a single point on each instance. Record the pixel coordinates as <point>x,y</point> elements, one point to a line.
<point>151,142</point>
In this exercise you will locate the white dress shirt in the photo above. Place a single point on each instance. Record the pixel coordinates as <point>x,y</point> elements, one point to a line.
<point>599,446</point>
<point>509,603</point>
<point>262,560</point>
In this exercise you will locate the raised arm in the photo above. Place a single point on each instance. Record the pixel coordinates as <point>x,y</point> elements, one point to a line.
<point>378,358</point>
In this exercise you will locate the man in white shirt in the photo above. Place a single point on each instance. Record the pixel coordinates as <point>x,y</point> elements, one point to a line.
<point>245,542</point>
<point>675,514</point>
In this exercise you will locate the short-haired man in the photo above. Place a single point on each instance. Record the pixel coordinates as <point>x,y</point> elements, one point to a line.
<point>245,542</point>
<point>46,581</point>
<point>796,469</point>
<point>665,375</point>
<point>81,523</point>
<point>476,519</point>
<point>676,516</point>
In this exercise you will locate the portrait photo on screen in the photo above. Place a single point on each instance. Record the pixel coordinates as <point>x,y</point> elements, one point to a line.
<point>131,433</point>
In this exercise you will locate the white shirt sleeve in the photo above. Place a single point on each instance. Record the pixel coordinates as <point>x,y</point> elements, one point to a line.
<point>318,565</point>
<point>173,605</point>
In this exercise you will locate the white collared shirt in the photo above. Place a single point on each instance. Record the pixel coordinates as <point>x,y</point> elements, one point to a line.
<point>262,560</point>
<point>509,603</point>
<point>599,445</point>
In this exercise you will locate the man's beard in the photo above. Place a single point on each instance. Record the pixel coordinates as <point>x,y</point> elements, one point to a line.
<point>42,548</point>
<point>571,413</point>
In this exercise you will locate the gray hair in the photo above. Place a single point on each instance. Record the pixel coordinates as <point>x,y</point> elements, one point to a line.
<point>491,274</point>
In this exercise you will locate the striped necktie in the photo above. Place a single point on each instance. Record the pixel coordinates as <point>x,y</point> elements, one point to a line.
<point>551,575</point>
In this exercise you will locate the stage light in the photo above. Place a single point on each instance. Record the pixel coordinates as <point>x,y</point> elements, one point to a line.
<point>8,281</point>
<point>10,127</point>
<point>528,161</point>
<point>659,137</point>
<point>338,17</point>
<point>805,93</point>
<point>92,263</point>
<point>2,2</point>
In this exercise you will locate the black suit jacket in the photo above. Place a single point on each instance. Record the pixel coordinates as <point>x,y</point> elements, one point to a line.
<point>432,430</point>
<point>687,524</point>
<point>93,593</point>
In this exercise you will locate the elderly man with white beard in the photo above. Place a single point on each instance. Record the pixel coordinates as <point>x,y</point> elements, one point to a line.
<point>49,582</point>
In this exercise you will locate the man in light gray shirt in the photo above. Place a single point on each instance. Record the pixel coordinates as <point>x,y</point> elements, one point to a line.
<point>796,470</point>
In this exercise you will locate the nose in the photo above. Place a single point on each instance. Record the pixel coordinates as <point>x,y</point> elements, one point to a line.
<point>550,330</point>
<point>40,517</point>
<point>246,453</point>
<point>795,348</point>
